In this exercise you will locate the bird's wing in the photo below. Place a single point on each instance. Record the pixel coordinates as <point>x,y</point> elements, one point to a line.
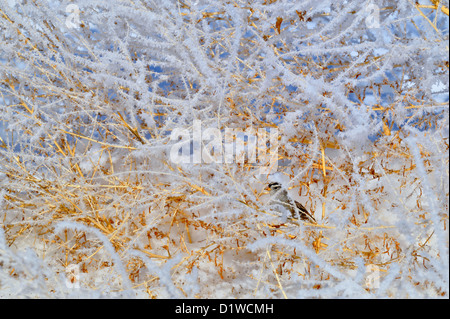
<point>304,214</point>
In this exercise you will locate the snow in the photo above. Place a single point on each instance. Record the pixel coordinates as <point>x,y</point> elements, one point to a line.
<point>107,186</point>
<point>438,87</point>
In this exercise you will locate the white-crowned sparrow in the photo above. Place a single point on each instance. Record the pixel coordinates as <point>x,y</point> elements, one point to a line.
<point>280,196</point>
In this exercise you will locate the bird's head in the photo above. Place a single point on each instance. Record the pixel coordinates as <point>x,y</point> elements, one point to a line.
<point>274,187</point>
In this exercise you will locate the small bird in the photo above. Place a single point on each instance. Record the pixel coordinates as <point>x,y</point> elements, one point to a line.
<point>280,196</point>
